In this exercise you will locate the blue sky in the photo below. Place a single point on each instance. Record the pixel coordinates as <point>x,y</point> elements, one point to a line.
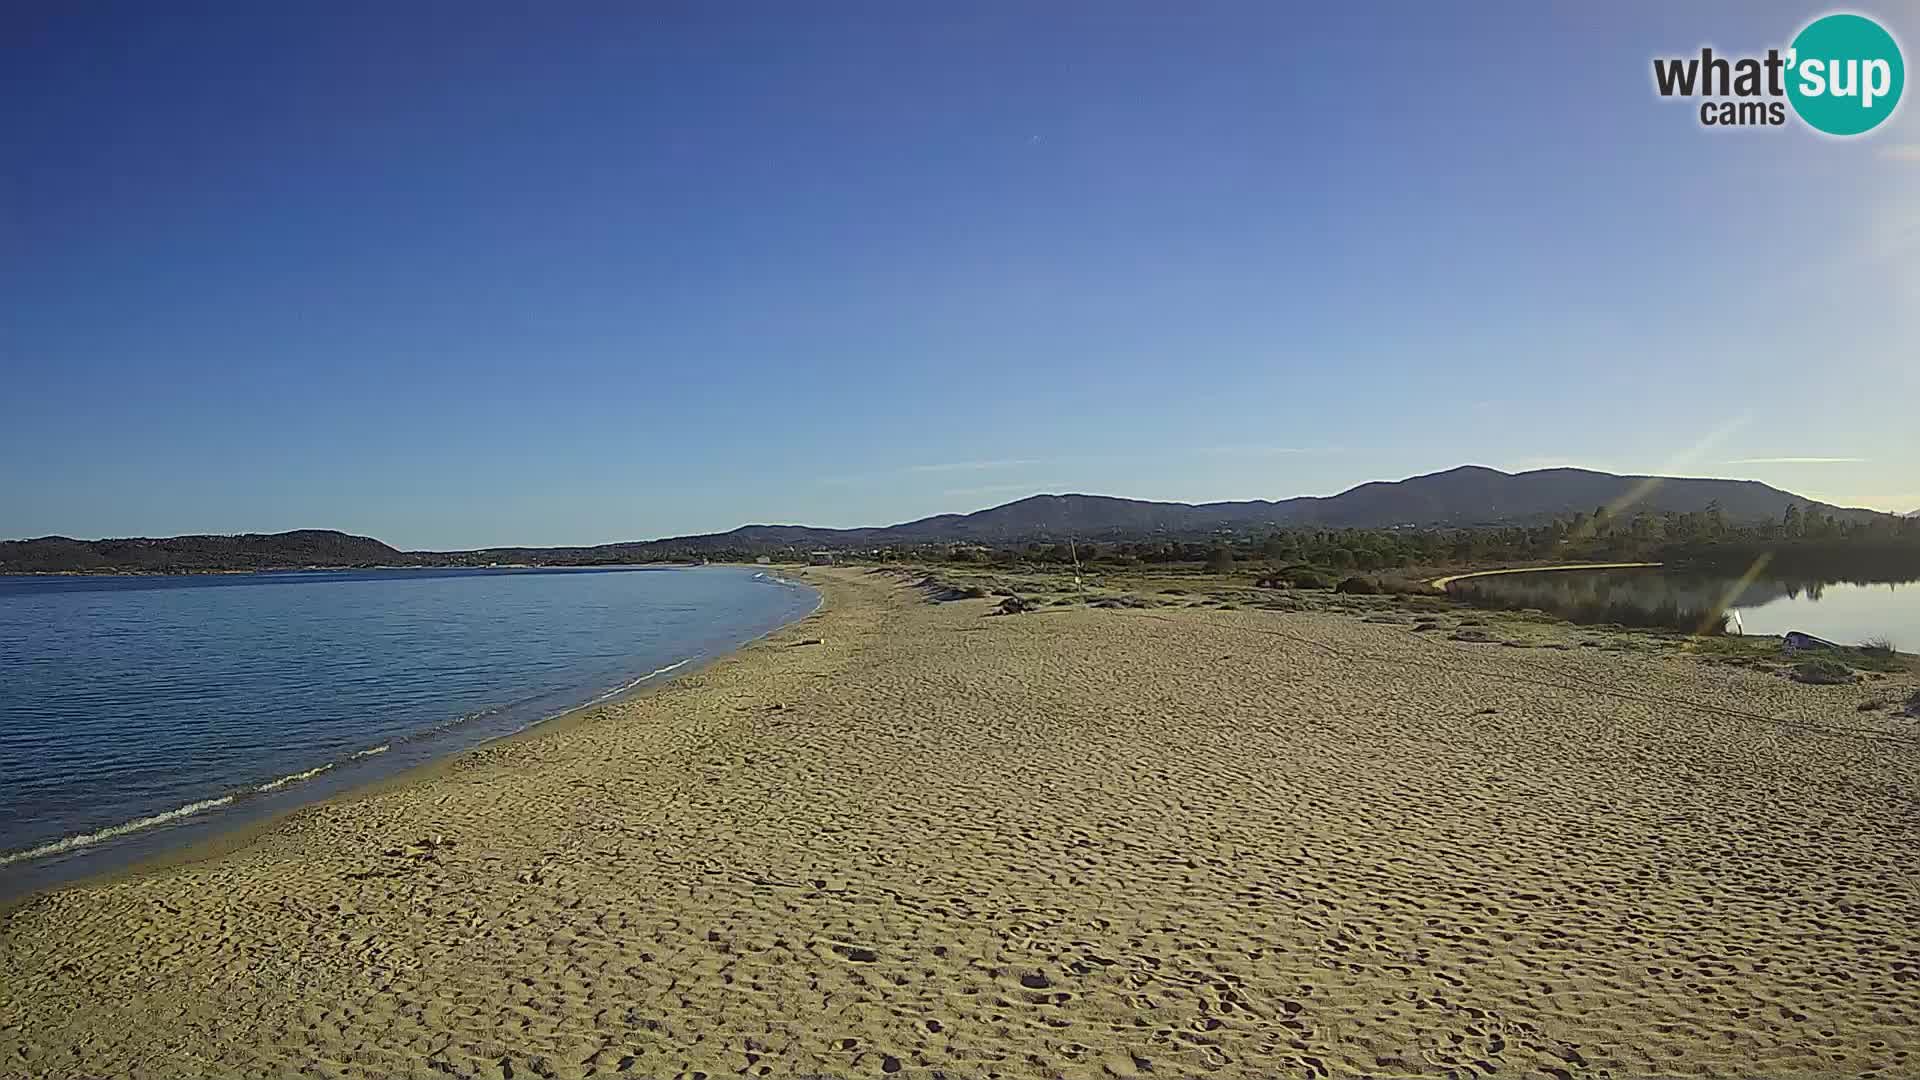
<point>459,275</point>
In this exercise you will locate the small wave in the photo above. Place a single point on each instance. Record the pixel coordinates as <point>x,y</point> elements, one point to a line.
<point>664,670</point>
<point>372,750</point>
<point>608,696</point>
<point>448,725</point>
<point>294,778</point>
<point>631,683</point>
<point>81,840</point>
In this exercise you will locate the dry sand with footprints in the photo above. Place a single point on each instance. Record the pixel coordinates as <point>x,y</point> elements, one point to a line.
<point>1074,843</point>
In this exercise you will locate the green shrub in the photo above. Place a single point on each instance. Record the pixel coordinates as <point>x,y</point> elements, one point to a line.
<point>1306,577</point>
<point>1822,671</point>
<point>1878,654</point>
<point>1362,586</point>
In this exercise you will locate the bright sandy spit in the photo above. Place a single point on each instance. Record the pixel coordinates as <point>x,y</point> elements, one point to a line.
<point>1072,843</point>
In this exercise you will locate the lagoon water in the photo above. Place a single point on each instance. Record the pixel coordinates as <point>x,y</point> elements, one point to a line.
<point>1843,612</point>
<point>142,711</point>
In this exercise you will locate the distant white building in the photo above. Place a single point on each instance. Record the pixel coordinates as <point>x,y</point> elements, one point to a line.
<point>820,558</point>
<point>763,561</point>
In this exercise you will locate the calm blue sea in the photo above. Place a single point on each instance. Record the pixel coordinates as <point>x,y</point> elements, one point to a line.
<point>141,712</point>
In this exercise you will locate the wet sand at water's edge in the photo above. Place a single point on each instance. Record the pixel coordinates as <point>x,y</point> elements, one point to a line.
<point>1074,843</point>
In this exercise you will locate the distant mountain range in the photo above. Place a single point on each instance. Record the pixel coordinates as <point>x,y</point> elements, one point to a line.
<point>1464,497</point>
<point>1470,495</point>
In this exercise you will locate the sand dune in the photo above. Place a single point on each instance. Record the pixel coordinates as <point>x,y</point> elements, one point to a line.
<point>1074,843</point>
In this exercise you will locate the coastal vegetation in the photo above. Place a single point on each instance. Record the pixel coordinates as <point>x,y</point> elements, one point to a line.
<point>1879,548</point>
<point>197,554</point>
<point>1822,671</point>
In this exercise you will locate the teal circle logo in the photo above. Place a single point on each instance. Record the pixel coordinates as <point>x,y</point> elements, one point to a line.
<point>1845,74</point>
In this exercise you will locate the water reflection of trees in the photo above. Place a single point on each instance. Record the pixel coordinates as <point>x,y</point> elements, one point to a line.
<point>1656,588</point>
<point>1803,566</point>
<point>1641,597</point>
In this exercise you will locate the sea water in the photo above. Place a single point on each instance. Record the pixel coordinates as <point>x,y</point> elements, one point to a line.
<point>138,712</point>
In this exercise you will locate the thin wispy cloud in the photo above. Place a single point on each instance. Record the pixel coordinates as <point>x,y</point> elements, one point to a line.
<point>934,468</point>
<point>1258,450</point>
<point>1076,460</point>
<point>1529,464</point>
<point>1796,461</point>
<point>994,489</point>
<point>975,466</point>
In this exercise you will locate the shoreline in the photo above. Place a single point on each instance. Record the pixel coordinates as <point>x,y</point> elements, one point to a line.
<point>1440,584</point>
<point>1095,842</point>
<point>123,572</point>
<point>225,839</point>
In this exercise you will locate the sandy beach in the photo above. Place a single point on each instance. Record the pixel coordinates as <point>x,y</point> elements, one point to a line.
<point>1074,843</point>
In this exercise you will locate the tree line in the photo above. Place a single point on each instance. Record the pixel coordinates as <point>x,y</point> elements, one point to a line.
<point>1806,539</point>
